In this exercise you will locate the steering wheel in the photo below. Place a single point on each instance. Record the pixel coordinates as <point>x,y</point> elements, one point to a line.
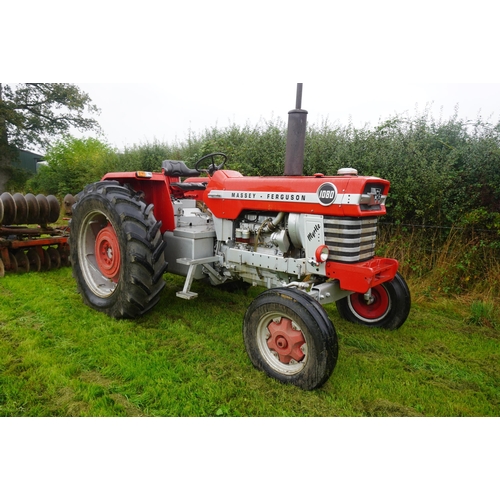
<point>213,165</point>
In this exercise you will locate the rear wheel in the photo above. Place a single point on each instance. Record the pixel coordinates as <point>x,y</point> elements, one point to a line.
<point>289,336</point>
<point>387,307</point>
<point>116,250</point>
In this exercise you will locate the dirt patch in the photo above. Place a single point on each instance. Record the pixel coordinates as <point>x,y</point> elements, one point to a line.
<point>98,379</point>
<point>66,402</point>
<point>95,378</point>
<point>385,408</point>
<point>130,409</point>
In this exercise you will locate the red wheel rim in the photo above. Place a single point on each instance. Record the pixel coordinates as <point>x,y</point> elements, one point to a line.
<point>107,252</point>
<point>377,309</point>
<point>286,341</point>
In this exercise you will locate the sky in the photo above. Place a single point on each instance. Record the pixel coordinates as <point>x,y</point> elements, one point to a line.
<point>138,113</point>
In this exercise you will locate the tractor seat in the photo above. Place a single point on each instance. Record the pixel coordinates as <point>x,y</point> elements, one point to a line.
<point>190,186</point>
<point>173,168</point>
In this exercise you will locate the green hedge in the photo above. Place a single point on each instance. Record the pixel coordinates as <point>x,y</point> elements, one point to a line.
<point>441,173</point>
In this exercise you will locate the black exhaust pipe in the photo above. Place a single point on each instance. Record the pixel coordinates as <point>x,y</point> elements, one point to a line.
<point>296,138</point>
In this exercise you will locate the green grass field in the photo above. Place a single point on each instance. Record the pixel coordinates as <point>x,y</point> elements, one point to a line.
<point>60,358</point>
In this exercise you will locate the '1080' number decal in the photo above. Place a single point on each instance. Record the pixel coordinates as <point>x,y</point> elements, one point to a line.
<point>327,193</point>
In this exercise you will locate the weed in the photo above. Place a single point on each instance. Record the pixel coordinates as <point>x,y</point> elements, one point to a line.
<point>483,314</point>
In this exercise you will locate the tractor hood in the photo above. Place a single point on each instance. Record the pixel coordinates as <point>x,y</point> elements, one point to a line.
<point>229,193</point>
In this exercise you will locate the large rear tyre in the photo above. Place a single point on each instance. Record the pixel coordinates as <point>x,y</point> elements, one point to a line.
<point>289,336</point>
<point>116,250</point>
<point>388,307</point>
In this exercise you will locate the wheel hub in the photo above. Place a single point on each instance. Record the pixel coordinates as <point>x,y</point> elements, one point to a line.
<point>286,341</point>
<point>107,251</point>
<point>373,307</point>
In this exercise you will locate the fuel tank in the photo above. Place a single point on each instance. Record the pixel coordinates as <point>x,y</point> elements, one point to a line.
<point>229,193</point>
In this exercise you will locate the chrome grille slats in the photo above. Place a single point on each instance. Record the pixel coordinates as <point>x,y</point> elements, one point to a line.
<point>350,239</point>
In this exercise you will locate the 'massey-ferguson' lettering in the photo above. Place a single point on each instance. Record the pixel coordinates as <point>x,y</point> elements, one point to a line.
<point>286,197</point>
<point>245,195</point>
<point>325,195</point>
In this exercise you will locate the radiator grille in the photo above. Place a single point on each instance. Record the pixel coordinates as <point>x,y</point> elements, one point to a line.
<point>351,239</point>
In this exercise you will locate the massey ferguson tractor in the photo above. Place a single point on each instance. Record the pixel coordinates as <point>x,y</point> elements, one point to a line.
<point>309,241</point>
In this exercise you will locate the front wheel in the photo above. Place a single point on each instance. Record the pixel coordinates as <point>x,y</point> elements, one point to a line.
<point>289,336</point>
<point>387,307</point>
<point>117,250</point>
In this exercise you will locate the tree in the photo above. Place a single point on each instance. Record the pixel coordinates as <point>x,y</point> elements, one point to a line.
<point>31,114</point>
<point>72,164</point>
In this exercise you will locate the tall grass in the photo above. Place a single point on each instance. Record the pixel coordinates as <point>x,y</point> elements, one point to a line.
<point>447,261</point>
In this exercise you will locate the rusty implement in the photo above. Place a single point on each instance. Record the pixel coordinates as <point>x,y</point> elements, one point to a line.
<point>27,242</point>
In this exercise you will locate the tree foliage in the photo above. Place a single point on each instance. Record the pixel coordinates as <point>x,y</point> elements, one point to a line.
<point>72,164</point>
<point>441,172</point>
<point>33,114</point>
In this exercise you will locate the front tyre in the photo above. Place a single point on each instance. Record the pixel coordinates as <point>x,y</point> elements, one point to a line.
<point>289,336</point>
<point>116,250</point>
<point>388,307</point>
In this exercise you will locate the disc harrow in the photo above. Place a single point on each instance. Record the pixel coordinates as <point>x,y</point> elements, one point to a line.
<point>27,240</point>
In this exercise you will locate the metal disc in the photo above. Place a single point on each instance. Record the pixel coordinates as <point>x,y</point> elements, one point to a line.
<point>9,208</point>
<point>43,204</point>
<point>55,258</point>
<point>21,209</point>
<point>64,257</point>
<point>13,262</point>
<point>23,264</point>
<point>54,209</point>
<point>33,209</point>
<point>35,261</point>
<point>68,202</point>
<point>46,262</point>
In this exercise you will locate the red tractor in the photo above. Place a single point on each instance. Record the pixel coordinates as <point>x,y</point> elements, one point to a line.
<point>309,240</point>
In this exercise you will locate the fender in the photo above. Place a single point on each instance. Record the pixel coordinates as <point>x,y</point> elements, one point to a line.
<point>156,188</point>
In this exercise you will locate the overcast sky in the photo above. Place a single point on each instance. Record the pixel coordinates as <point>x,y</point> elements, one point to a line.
<point>137,113</point>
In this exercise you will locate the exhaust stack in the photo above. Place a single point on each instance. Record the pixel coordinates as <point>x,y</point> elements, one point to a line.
<point>296,137</point>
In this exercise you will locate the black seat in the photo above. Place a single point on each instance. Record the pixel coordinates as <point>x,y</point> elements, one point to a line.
<point>174,168</point>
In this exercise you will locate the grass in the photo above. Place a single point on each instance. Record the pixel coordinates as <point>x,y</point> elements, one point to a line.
<point>60,358</point>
